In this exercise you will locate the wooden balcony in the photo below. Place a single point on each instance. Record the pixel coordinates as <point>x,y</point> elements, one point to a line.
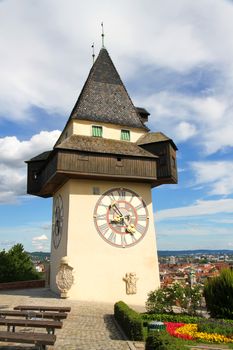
<point>44,178</point>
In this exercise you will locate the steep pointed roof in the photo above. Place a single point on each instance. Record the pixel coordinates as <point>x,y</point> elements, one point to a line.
<point>104,97</point>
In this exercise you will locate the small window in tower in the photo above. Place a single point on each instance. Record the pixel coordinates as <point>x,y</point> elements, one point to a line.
<point>34,175</point>
<point>97,131</point>
<point>119,161</point>
<point>125,135</point>
<point>96,190</point>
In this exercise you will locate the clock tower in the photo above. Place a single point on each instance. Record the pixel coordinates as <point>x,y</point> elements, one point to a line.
<point>100,174</point>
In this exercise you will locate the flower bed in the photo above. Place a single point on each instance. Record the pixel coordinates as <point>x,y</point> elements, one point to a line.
<point>190,332</point>
<point>173,327</point>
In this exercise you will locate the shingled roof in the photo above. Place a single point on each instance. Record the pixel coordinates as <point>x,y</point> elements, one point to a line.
<point>104,97</point>
<point>40,157</point>
<point>102,145</point>
<point>152,137</point>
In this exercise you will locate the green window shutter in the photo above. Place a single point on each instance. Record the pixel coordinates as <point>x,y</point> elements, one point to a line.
<point>97,131</point>
<point>125,135</point>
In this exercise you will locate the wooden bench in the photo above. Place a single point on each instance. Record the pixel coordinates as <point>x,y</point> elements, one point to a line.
<point>41,340</point>
<point>33,314</point>
<point>43,308</point>
<point>11,323</point>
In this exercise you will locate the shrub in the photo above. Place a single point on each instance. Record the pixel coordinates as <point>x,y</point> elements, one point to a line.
<point>216,326</point>
<point>16,265</point>
<point>163,341</point>
<point>218,293</point>
<point>163,299</point>
<point>159,301</point>
<point>129,320</point>
<point>179,318</point>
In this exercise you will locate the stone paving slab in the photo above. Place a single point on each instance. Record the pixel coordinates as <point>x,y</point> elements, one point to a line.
<point>89,326</point>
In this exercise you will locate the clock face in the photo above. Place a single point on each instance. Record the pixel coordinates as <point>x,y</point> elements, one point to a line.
<point>57,221</point>
<point>121,217</point>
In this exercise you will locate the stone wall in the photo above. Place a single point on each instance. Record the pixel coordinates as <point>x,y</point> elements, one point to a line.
<point>23,284</point>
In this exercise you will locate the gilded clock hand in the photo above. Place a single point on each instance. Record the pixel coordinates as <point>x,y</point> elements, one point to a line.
<point>116,209</point>
<point>131,229</point>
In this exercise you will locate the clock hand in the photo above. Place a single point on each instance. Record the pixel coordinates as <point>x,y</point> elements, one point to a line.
<point>116,209</point>
<point>131,229</point>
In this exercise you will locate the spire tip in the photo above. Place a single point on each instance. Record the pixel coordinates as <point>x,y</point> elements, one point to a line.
<point>102,35</point>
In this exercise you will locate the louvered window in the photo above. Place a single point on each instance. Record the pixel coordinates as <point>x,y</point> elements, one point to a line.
<point>97,131</point>
<point>125,135</point>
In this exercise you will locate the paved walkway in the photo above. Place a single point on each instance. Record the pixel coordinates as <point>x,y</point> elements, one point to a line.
<point>89,326</point>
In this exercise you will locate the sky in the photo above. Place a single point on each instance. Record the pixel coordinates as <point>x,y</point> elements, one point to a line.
<point>175,58</point>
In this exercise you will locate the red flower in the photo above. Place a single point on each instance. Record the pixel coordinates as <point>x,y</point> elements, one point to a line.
<point>171,329</point>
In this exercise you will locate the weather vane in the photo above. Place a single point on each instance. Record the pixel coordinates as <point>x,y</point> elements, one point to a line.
<point>93,52</point>
<point>102,25</point>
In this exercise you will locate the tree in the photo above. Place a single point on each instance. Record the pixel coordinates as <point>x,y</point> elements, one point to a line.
<point>218,293</point>
<point>16,265</point>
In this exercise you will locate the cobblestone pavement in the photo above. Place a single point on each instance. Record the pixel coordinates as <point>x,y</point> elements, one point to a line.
<point>89,326</point>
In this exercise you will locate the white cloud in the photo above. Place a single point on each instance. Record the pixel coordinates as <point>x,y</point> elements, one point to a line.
<point>13,153</point>
<point>184,131</point>
<point>40,243</point>
<point>199,208</point>
<point>218,175</point>
<point>208,120</point>
<point>52,60</point>
<point>40,238</point>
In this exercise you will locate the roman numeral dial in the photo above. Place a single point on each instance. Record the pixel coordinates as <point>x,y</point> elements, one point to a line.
<point>121,217</point>
<point>57,225</point>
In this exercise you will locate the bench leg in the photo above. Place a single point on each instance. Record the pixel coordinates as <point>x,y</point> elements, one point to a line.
<point>41,347</point>
<point>50,330</point>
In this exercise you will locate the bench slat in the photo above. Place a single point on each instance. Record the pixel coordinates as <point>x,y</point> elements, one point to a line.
<point>30,338</point>
<point>43,308</point>
<point>30,323</point>
<point>37,314</point>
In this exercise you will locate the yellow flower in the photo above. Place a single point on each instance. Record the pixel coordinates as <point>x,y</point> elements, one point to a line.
<point>191,329</point>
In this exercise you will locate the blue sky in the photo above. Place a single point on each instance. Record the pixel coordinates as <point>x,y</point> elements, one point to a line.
<point>176,60</point>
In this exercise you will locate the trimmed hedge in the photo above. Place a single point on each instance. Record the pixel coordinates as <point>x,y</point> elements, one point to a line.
<point>163,341</point>
<point>170,318</point>
<point>129,320</point>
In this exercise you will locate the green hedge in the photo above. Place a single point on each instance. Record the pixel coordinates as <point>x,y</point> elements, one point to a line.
<point>163,341</point>
<point>129,320</point>
<point>169,318</point>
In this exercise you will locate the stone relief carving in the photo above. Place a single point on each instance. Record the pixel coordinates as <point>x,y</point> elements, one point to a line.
<point>131,280</point>
<point>64,278</point>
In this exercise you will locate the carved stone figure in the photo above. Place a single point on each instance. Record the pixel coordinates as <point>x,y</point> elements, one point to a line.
<point>131,280</point>
<point>64,278</point>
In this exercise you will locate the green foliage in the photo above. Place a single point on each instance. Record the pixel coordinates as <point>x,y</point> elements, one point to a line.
<point>129,320</point>
<point>160,301</point>
<point>163,299</point>
<point>179,318</point>
<point>163,341</point>
<point>16,265</point>
<point>218,292</point>
<point>223,327</point>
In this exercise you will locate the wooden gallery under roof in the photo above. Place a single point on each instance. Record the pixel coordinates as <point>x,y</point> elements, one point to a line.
<point>114,142</point>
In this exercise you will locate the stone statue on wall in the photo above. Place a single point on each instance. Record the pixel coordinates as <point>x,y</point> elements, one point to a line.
<point>130,280</point>
<point>64,278</point>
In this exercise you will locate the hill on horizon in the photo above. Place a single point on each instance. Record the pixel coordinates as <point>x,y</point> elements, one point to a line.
<point>194,252</point>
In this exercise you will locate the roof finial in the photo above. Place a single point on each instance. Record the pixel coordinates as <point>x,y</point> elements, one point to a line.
<point>93,52</point>
<point>102,25</point>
